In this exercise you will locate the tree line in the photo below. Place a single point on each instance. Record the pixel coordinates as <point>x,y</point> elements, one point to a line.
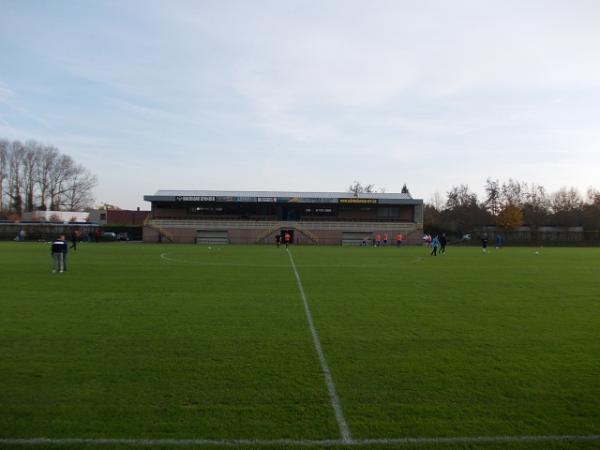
<point>34,176</point>
<point>511,204</point>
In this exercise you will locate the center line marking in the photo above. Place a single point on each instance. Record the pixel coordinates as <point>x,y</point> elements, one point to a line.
<point>333,397</point>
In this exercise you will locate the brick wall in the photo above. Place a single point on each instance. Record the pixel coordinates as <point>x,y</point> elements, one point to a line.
<point>126,217</point>
<point>187,234</point>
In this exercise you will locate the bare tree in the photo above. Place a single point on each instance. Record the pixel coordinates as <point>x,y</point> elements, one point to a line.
<point>591,210</point>
<point>34,175</point>
<point>492,202</point>
<point>358,188</point>
<point>536,206</point>
<point>15,180</point>
<point>61,173</point>
<point>566,200</point>
<point>3,169</point>
<point>30,161</point>
<point>78,193</point>
<point>46,163</point>
<point>436,201</point>
<point>460,197</point>
<point>593,196</point>
<point>567,207</point>
<point>513,193</point>
<point>463,212</point>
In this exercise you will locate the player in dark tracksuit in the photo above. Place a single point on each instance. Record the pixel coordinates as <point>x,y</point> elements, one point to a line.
<point>58,251</point>
<point>65,249</point>
<point>443,242</point>
<point>74,239</point>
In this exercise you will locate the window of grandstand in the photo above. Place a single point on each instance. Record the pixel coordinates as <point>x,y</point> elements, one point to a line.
<point>391,212</point>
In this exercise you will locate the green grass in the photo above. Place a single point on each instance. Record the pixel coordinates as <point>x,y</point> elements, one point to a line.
<point>214,344</point>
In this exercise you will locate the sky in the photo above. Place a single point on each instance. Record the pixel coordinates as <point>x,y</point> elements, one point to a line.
<point>306,95</point>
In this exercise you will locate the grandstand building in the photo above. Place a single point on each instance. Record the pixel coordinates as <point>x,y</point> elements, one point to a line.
<point>256,217</point>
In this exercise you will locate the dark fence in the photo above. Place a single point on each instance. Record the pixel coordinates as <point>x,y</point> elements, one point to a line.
<point>548,236</point>
<point>134,232</point>
<point>44,231</point>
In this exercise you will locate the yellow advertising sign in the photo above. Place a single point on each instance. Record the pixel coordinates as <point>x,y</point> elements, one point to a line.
<point>357,201</point>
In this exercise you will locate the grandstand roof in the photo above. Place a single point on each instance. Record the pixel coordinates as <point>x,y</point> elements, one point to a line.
<point>192,193</point>
<point>207,195</point>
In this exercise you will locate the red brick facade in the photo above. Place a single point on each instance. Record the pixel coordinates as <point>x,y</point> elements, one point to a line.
<point>125,217</point>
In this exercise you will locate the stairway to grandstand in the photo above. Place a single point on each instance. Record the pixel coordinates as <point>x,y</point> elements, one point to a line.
<point>161,231</point>
<point>356,237</point>
<point>212,237</point>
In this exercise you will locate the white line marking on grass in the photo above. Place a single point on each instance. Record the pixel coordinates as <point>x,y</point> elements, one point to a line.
<point>297,442</point>
<point>333,397</point>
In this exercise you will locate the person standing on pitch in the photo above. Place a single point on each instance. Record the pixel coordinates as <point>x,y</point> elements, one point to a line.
<point>65,249</point>
<point>484,243</point>
<point>278,239</point>
<point>435,243</point>
<point>74,239</point>
<point>58,250</point>
<point>287,237</point>
<point>443,242</point>
<point>498,241</point>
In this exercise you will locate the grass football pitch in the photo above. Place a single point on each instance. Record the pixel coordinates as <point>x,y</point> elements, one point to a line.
<point>170,345</point>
